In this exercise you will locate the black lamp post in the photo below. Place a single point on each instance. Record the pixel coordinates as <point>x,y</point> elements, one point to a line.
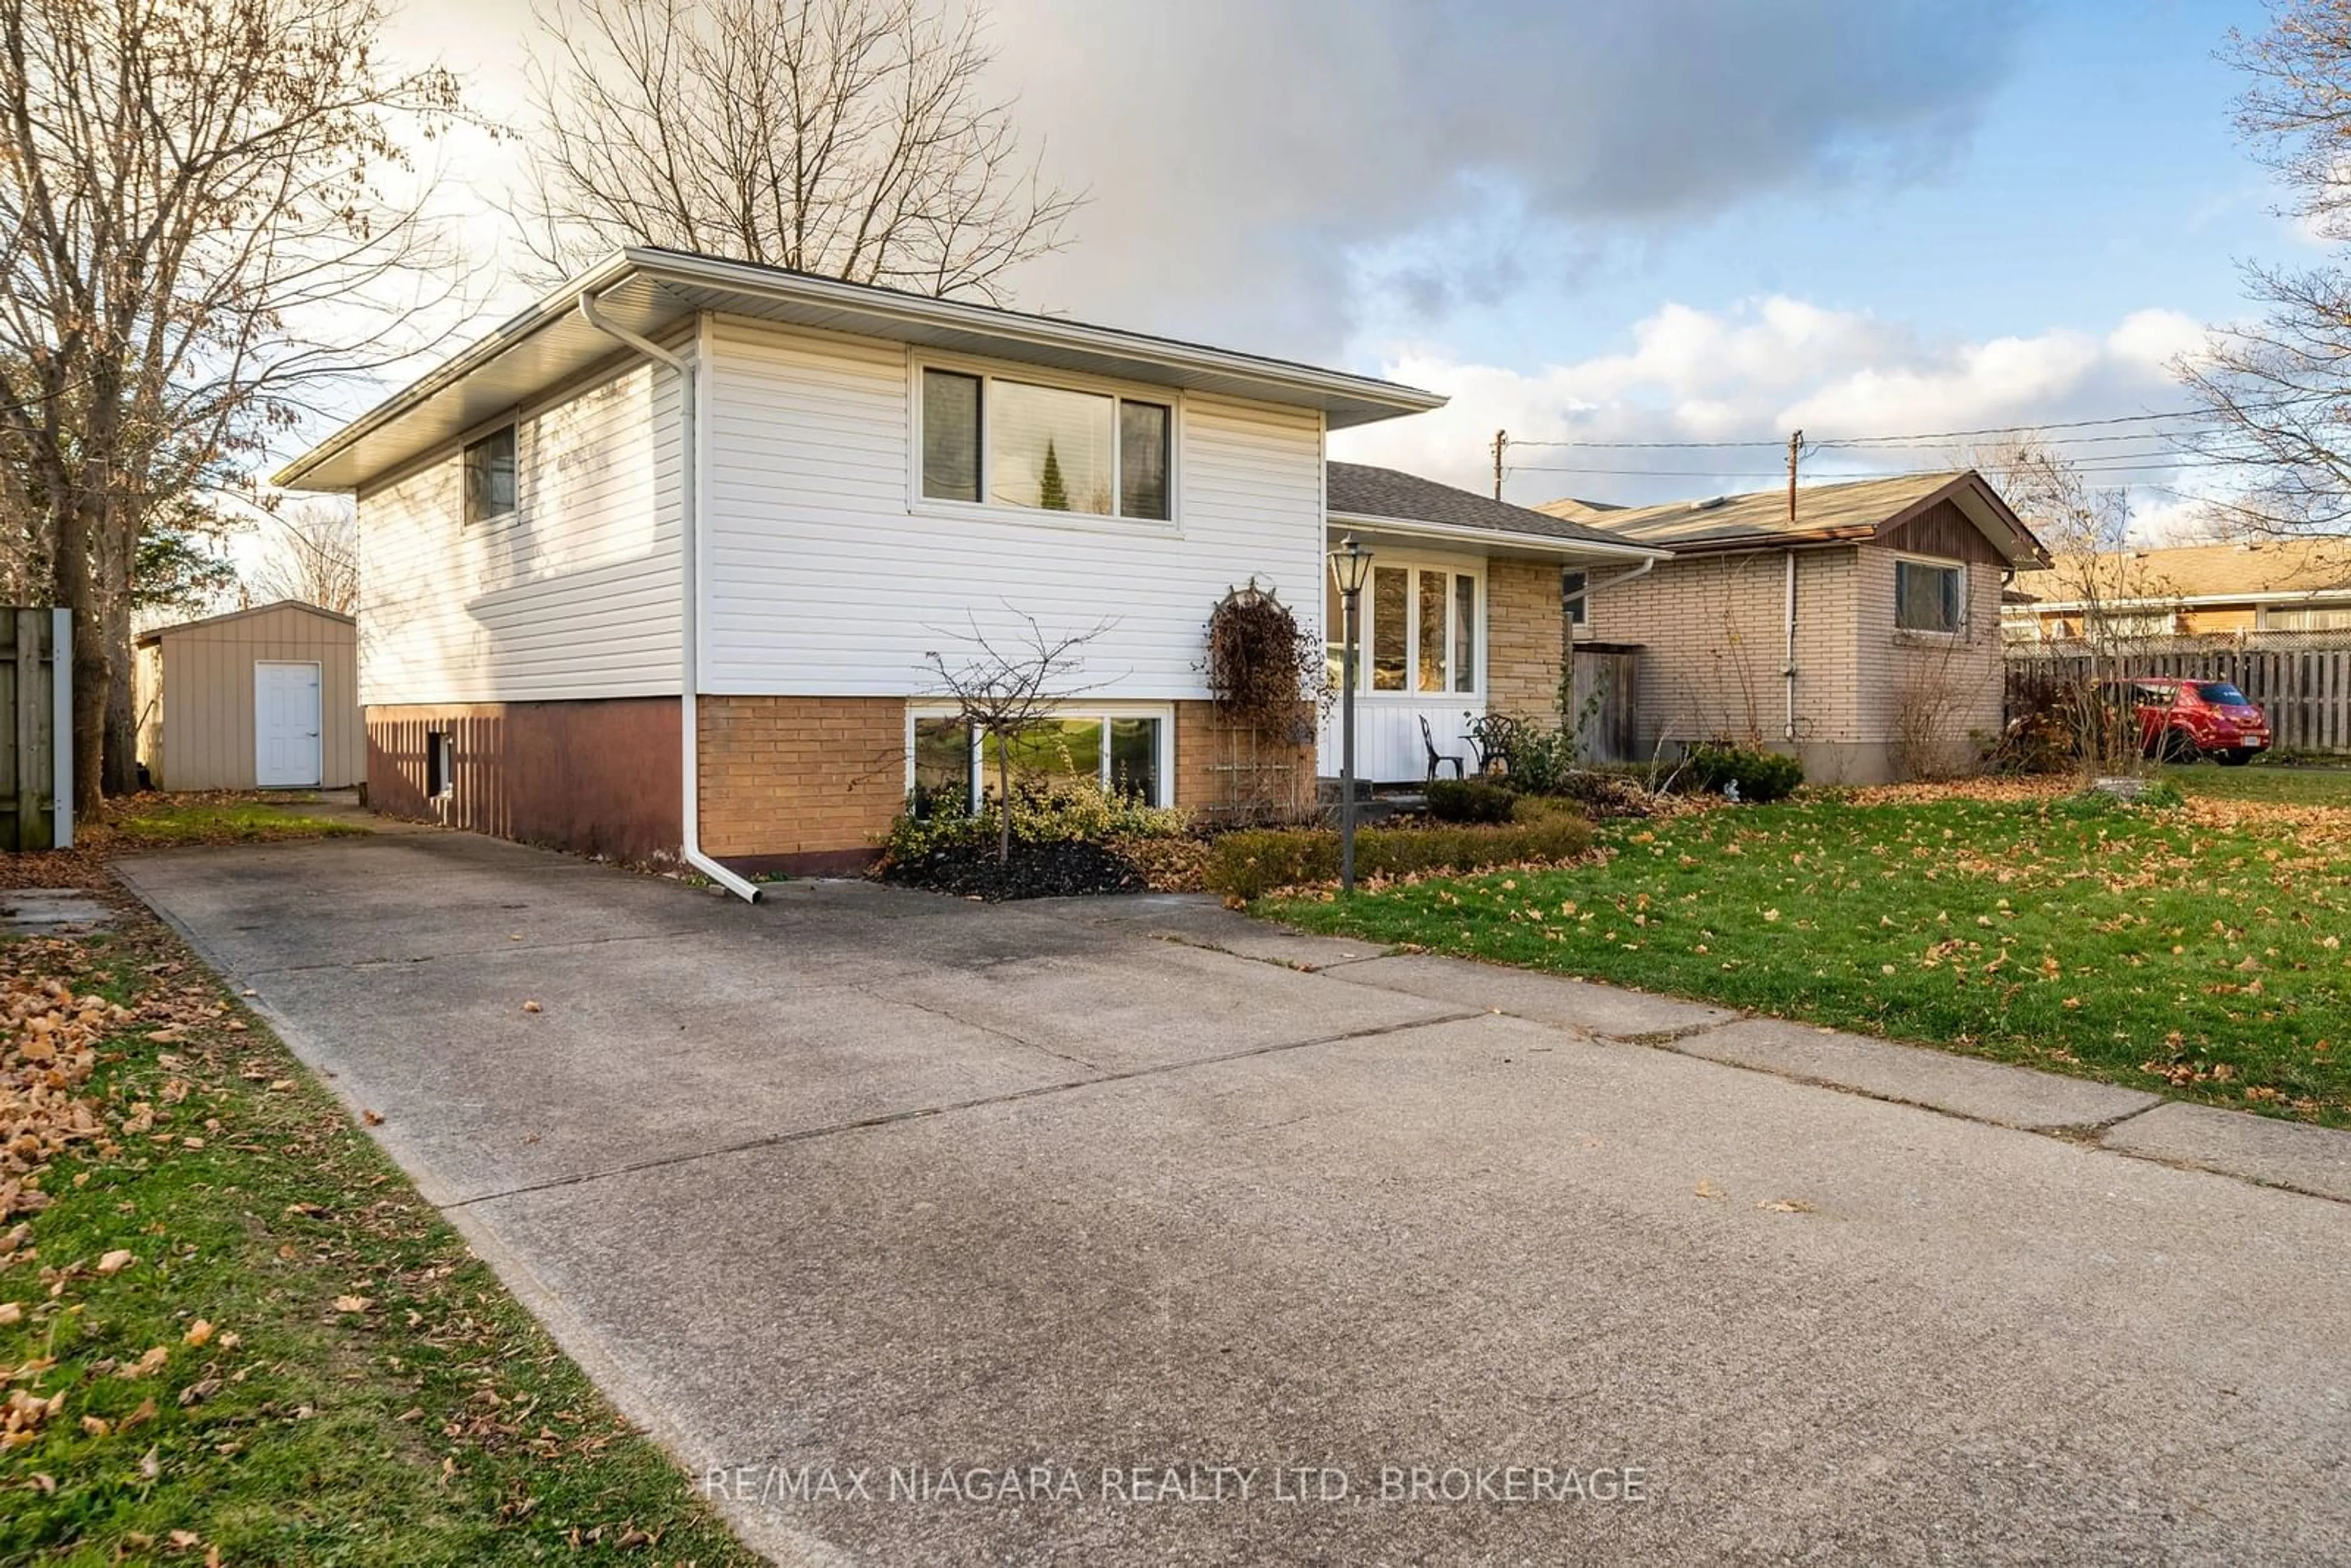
<point>1352,564</point>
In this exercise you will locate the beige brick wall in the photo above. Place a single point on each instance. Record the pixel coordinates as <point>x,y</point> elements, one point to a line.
<point>1525,631</point>
<point>1931,698</point>
<point>1713,636</point>
<point>1222,773</point>
<point>799,777</point>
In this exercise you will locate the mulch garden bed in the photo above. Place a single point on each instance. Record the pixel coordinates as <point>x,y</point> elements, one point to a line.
<point>1035,871</point>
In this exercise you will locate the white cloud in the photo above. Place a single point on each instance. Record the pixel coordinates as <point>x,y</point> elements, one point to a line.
<point>1754,372</point>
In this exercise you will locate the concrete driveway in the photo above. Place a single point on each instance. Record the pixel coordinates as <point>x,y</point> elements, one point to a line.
<point>863,1200</point>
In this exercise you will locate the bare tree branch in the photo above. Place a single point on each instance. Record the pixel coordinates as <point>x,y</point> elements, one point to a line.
<point>314,555</point>
<point>848,138</point>
<point>1009,688</point>
<point>197,235</point>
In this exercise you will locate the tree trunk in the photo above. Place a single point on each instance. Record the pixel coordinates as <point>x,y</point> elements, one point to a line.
<point>78,526</point>
<point>1003,800</point>
<point>120,774</point>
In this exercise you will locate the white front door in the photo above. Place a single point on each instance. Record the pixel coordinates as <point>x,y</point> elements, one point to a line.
<point>285,724</point>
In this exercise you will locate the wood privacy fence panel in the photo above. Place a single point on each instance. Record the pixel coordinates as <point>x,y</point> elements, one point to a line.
<point>35,719</point>
<point>1604,712</point>
<point>2303,683</point>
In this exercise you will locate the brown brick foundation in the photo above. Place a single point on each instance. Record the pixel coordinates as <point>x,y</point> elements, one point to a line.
<point>596,777</point>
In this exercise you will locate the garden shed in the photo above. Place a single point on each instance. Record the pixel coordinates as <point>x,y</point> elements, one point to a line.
<point>266,698</point>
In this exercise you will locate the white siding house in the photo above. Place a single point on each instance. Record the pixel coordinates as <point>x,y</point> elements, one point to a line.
<point>682,475</point>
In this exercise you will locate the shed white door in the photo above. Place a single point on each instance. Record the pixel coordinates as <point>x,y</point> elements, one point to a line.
<point>284,723</point>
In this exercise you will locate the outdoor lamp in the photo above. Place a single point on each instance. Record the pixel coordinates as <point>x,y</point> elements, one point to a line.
<point>1351,564</point>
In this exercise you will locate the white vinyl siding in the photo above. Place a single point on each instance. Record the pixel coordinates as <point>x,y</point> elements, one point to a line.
<point>573,594</point>
<point>824,576</point>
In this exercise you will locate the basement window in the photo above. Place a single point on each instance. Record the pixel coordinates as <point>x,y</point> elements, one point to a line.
<point>1125,751</point>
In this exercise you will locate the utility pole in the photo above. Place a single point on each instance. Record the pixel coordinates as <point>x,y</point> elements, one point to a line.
<point>1501,442</point>
<point>1795,450</point>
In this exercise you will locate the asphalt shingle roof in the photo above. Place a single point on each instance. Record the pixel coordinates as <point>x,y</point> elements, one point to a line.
<point>2203,571</point>
<point>1763,514</point>
<point>1362,490</point>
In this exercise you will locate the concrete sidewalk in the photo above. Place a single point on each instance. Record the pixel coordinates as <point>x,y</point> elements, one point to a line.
<point>867,1181</point>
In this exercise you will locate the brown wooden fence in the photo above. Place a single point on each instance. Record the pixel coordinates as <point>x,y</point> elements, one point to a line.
<point>2301,681</point>
<point>36,708</point>
<point>1604,697</point>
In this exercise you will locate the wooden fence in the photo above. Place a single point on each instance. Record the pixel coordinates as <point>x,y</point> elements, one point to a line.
<point>1604,712</point>
<point>2301,681</point>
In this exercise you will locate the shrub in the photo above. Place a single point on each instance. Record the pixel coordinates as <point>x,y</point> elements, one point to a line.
<point>1540,761</point>
<point>1761,776</point>
<point>1469,800</point>
<point>1045,811</point>
<point>1251,863</point>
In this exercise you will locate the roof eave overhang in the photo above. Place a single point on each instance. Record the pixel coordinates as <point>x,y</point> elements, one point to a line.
<point>1749,544</point>
<point>1492,541</point>
<point>651,292</point>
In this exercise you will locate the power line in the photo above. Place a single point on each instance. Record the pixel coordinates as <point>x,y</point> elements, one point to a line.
<point>1922,437</point>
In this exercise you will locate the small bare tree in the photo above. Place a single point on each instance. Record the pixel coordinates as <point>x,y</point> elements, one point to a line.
<point>1007,689</point>
<point>314,556</point>
<point>2087,529</point>
<point>848,138</point>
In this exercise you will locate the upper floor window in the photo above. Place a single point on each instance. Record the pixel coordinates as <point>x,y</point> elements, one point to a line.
<point>1047,448</point>
<point>1929,595</point>
<point>490,477</point>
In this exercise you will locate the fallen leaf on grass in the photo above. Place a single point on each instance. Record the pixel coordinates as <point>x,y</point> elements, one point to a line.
<point>116,1262</point>
<point>352,1303</point>
<point>199,1331</point>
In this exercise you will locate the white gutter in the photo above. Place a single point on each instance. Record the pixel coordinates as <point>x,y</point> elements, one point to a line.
<point>690,375</point>
<point>1788,670</point>
<point>1554,544</point>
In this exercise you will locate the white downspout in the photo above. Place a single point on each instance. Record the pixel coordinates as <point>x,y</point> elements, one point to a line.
<point>1788,670</point>
<point>689,532</point>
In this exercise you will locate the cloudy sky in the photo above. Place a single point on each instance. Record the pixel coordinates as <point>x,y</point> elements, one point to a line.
<point>1590,221</point>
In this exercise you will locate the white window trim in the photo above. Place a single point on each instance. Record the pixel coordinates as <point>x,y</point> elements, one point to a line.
<point>1413,566</point>
<point>1164,764</point>
<point>921,506</point>
<point>1958,633</point>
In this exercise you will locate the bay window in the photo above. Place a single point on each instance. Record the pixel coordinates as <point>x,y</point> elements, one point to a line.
<point>1009,441</point>
<point>1417,629</point>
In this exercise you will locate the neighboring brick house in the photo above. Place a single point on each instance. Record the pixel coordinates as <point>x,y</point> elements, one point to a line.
<point>2194,591</point>
<point>1861,634</point>
<point>781,494</point>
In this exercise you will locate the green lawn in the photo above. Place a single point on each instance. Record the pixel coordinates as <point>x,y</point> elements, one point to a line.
<point>2199,949</point>
<point>2298,785</point>
<point>298,1363</point>
<point>165,821</point>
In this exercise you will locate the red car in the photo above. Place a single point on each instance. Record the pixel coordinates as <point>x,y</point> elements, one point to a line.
<point>2180,720</point>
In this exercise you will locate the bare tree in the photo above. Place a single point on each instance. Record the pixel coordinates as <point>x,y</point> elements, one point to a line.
<point>1006,690</point>
<point>849,138</point>
<point>2276,393</point>
<point>2087,529</point>
<point>314,556</point>
<point>193,214</point>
